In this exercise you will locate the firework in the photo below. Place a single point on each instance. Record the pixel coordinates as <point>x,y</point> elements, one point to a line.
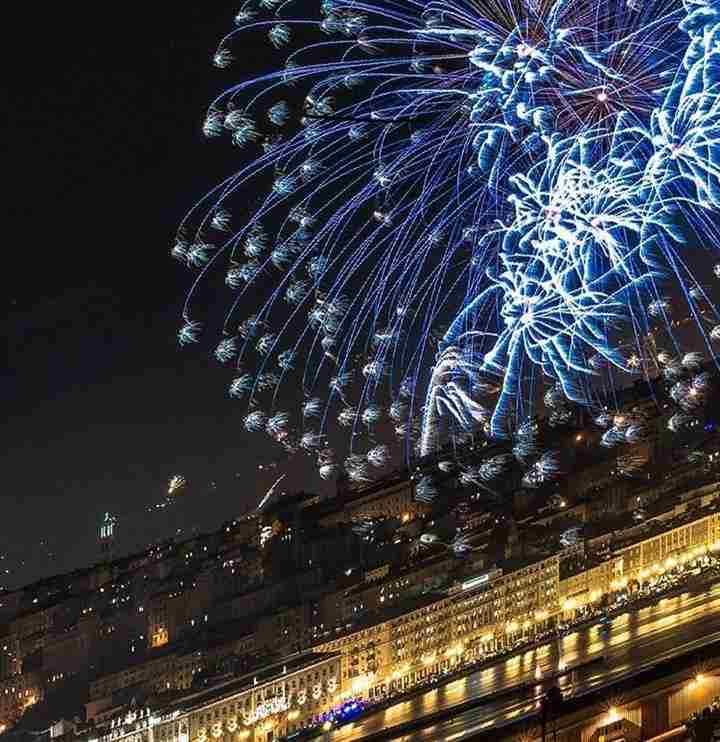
<point>176,483</point>
<point>546,468</point>
<point>269,494</point>
<point>466,200</point>
<point>379,456</point>
<point>487,471</point>
<point>358,469</point>
<point>678,422</point>
<point>460,545</point>
<point>426,491</point>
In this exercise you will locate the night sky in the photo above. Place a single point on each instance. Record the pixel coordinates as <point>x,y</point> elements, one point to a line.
<point>101,406</point>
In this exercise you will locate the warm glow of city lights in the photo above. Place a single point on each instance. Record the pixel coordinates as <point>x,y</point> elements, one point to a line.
<point>360,684</point>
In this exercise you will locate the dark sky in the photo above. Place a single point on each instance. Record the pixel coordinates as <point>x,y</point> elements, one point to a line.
<point>106,154</point>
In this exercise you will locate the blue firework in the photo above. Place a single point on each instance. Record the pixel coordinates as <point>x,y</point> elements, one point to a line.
<point>476,195</point>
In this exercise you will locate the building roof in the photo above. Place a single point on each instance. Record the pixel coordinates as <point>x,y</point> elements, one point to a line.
<point>206,638</point>
<point>397,571</point>
<point>264,674</point>
<point>515,564</point>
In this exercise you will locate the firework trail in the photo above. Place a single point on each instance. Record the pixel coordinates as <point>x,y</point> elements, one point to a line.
<point>268,495</point>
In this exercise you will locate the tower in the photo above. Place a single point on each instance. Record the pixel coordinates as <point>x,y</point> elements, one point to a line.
<point>107,536</point>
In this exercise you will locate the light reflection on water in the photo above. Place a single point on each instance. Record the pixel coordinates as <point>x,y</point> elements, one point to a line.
<point>655,626</point>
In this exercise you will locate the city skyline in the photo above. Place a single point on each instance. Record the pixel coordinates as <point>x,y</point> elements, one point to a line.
<point>356,587</point>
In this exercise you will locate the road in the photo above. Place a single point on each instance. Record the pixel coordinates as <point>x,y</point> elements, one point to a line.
<point>636,639</point>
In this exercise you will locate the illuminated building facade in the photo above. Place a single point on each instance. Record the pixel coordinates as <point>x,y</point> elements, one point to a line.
<point>475,617</point>
<point>352,575</point>
<point>17,694</point>
<point>644,561</point>
<point>276,701</point>
<point>496,609</point>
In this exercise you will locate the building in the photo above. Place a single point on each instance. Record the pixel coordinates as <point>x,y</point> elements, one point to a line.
<point>107,536</point>
<point>640,556</point>
<point>394,498</point>
<point>17,694</point>
<point>170,668</point>
<point>352,577</point>
<point>262,706</point>
<point>416,639</point>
